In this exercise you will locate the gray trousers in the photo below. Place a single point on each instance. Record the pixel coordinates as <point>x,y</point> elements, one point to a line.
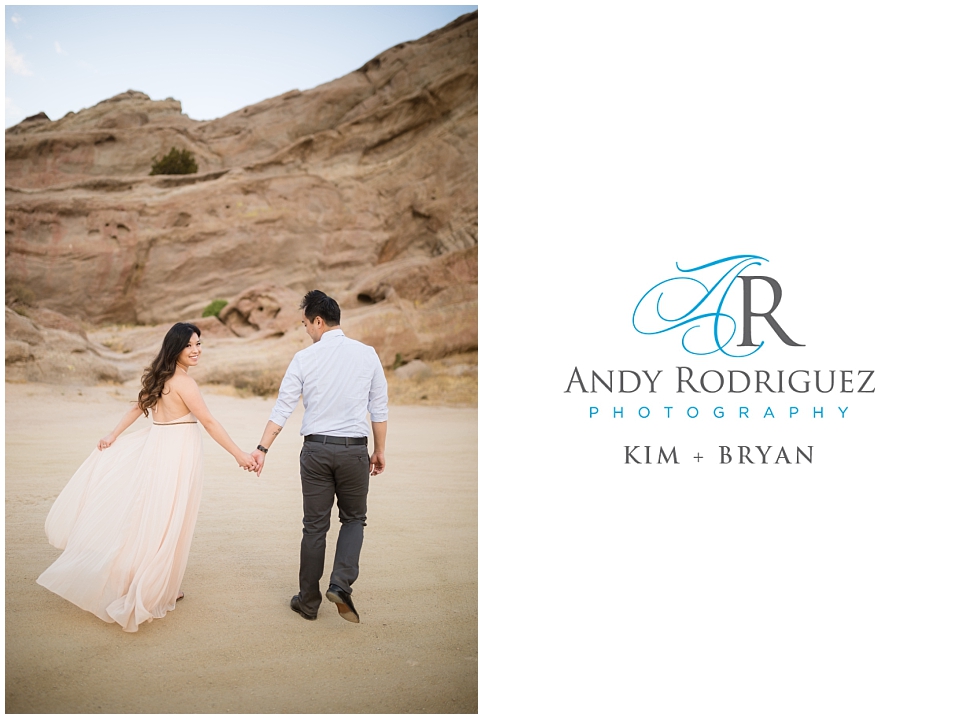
<point>328,471</point>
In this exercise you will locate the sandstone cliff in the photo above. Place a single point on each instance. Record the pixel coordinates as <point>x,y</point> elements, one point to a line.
<point>365,187</point>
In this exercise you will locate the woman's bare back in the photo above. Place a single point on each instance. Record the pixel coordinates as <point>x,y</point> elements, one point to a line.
<point>171,407</point>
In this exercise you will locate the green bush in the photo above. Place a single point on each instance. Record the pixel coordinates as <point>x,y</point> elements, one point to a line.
<point>175,162</point>
<point>213,309</point>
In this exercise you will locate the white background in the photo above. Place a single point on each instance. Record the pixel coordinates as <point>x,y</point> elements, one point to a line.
<point>617,141</point>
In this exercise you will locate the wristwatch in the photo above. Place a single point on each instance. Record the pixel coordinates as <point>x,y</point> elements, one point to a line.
<point>262,448</point>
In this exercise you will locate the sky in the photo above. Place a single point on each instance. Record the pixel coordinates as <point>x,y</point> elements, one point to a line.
<point>214,59</point>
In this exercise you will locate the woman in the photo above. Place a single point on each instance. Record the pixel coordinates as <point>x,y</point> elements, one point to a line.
<point>126,518</point>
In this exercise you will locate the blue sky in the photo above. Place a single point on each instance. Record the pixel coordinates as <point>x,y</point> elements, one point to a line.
<point>214,59</point>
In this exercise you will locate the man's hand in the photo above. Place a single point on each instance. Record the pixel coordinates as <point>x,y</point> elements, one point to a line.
<point>259,457</point>
<point>378,462</point>
<point>270,433</point>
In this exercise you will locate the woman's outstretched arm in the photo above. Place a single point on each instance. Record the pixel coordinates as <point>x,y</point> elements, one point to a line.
<point>129,418</point>
<point>189,392</point>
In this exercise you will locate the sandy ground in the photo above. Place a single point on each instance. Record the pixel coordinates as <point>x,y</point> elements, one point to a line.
<point>233,644</point>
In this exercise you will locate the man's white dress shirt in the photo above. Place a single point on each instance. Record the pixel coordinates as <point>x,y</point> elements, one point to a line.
<point>340,380</point>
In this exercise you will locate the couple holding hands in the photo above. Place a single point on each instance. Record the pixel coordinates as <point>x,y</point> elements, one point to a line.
<point>126,518</point>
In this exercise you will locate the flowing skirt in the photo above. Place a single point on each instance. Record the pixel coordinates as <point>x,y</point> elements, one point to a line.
<point>125,521</point>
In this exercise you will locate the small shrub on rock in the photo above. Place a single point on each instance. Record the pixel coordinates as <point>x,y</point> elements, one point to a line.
<point>175,162</point>
<point>213,309</point>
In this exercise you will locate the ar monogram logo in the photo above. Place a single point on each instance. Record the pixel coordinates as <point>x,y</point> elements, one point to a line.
<point>695,300</point>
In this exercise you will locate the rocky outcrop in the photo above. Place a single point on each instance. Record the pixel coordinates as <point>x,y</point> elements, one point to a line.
<point>365,187</point>
<point>46,351</point>
<point>262,311</point>
<point>418,279</point>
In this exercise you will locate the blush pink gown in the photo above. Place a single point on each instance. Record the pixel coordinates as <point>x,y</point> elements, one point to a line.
<point>125,521</point>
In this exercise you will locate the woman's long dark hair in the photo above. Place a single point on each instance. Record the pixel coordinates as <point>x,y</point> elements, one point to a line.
<point>164,364</point>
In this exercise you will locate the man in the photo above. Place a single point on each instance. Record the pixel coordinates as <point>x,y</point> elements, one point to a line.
<point>340,380</point>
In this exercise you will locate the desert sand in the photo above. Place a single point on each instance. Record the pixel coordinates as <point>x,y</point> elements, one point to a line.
<point>233,644</point>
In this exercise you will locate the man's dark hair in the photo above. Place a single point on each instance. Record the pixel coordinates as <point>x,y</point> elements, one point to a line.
<point>317,304</point>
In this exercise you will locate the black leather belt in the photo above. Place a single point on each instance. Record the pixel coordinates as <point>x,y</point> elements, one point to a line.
<point>327,439</point>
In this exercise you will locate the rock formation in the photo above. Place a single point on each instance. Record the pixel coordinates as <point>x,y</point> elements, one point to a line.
<point>48,347</point>
<point>364,187</point>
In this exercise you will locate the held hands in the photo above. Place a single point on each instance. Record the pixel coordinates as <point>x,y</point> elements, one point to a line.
<point>259,457</point>
<point>246,462</point>
<point>106,442</point>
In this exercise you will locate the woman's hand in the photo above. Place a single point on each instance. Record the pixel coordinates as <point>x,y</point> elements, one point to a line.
<point>246,461</point>
<point>106,441</point>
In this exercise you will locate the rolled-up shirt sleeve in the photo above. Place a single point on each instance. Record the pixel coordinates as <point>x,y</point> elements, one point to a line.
<point>377,402</point>
<point>290,390</point>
